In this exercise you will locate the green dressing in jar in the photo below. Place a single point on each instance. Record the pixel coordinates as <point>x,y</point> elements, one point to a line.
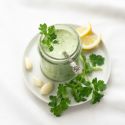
<point>54,64</point>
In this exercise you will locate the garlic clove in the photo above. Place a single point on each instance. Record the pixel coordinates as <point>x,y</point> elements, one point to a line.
<point>28,64</point>
<point>46,89</point>
<point>37,82</point>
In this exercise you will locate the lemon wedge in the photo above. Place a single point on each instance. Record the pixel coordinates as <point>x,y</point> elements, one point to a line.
<point>90,41</point>
<point>82,31</point>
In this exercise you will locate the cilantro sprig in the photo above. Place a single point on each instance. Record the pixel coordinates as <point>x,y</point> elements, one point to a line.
<point>50,37</point>
<point>92,64</point>
<point>98,87</point>
<point>79,88</point>
<point>96,59</point>
<point>60,102</point>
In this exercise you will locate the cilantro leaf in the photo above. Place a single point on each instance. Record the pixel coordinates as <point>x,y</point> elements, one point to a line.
<point>43,29</point>
<point>51,29</point>
<point>96,97</point>
<point>80,88</point>
<point>78,93</point>
<point>51,48</point>
<point>49,36</point>
<point>53,101</point>
<point>87,91</point>
<point>61,107</point>
<point>55,41</point>
<point>90,65</point>
<point>62,91</point>
<point>96,59</point>
<point>99,85</point>
<point>60,102</point>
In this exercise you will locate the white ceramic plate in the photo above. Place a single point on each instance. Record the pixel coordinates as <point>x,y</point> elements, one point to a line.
<point>32,52</point>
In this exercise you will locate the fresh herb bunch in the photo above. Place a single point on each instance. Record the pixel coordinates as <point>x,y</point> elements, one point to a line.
<point>50,36</point>
<point>98,87</point>
<point>96,59</point>
<point>92,64</point>
<point>60,102</point>
<point>80,88</point>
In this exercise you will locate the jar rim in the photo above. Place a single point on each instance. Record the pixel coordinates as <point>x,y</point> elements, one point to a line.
<point>62,59</point>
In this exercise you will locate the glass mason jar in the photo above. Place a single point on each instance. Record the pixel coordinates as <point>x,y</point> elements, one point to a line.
<point>55,65</point>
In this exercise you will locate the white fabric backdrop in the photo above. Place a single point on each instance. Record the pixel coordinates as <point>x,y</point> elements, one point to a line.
<point>19,20</point>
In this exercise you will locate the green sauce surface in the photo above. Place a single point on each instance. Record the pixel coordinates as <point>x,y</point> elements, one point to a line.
<point>67,42</point>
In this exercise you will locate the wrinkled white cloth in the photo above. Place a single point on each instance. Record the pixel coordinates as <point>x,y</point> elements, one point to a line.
<point>19,20</point>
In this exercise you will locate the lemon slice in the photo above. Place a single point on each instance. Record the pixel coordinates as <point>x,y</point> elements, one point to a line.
<point>90,41</point>
<point>82,31</point>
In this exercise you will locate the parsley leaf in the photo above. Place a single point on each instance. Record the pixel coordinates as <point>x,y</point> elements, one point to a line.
<point>80,88</point>
<point>60,102</point>
<point>96,97</point>
<point>43,29</point>
<point>89,64</point>
<point>99,85</point>
<point>49,36</point>
<point>96,59</point>
<point>59,108</point>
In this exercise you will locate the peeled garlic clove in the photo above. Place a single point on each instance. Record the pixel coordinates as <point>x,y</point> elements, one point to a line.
<point>37,82</point>
<point>46,88</point>
<point>28,64</point>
